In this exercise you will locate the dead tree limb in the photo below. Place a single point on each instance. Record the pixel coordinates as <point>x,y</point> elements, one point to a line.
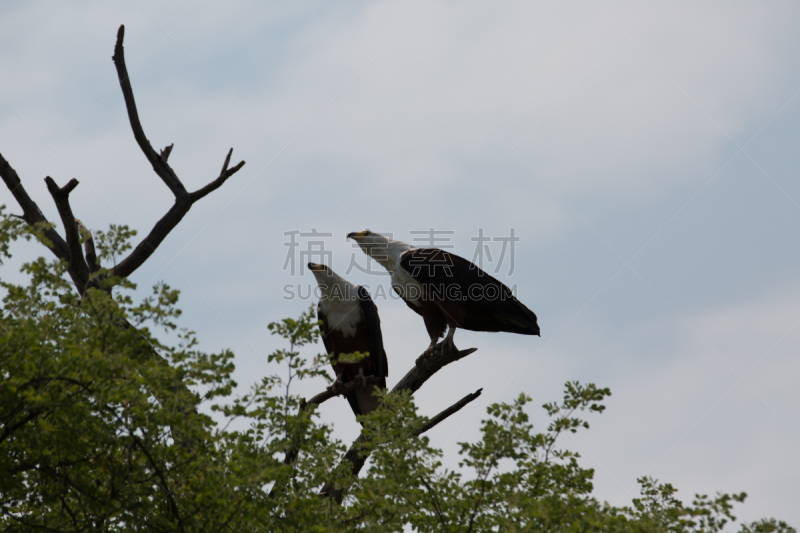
<point>159,162</point>
<point>31,212</point>
<point>341,390</point>
<point>449,411</point>
<point>81,268</point>
<point>78,269</point>
<point>183,198</point>
<point>69,250</point>
<point>425,367</point>
<point>88,247</point>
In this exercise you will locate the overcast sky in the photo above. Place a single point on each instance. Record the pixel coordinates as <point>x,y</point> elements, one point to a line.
<point>644,153</point>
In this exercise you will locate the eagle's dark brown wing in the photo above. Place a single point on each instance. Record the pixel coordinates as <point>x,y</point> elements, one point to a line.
<point>477,300</point>
<point>380,365</point>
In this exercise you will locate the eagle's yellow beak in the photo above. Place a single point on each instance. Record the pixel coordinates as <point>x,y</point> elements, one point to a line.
<point>356,235</point>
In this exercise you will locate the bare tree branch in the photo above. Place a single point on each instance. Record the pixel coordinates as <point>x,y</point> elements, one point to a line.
<point>69,250</point>
<point>159,162</point>
<point>166,151</point>
<point>78,269</point>
<point>426,366</point>
<point>342,389</point>
<point>183,199</point>
<point>31,212</point>
<point>145,249</point>
<point>88,247</point>
<point>449,411</point>
<point>224,174</point>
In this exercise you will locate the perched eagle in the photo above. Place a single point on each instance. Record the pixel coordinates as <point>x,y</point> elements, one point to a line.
<point>447,290</point>
<point>349,323</point>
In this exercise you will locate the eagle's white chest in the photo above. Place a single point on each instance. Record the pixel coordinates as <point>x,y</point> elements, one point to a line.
<point>403,283</point>
<point>342,315</point>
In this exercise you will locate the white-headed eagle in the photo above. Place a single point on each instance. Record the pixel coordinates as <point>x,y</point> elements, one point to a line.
<point>447,290</point>
<point>349,323</point>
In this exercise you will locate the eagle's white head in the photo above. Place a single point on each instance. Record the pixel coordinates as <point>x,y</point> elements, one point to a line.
<point>332,286</point>
<point>338,300</point>
<point>382,249</point>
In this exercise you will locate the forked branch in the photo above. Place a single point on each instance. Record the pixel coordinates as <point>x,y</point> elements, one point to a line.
<point>357,458</point>
<point>81,267</point>
<point>353,456</point>
<point>183,199</point>
<point>78,269</point>
<point>224,174</point>
<point>426,366</point>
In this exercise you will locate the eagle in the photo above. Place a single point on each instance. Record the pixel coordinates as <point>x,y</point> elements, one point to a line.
<point>447,290</point>
<point>349,323</point>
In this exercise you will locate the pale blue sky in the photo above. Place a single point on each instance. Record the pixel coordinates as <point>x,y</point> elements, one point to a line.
<point>645,153</point>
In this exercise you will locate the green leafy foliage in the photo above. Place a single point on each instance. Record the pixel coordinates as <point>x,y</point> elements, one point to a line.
<point>113,243</point>
<point>102,428</point>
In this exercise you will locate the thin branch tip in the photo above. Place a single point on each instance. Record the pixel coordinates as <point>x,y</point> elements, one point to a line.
<point>227,162</point>
<point>450,411</point>
<point>68,188</point>
<point>236,168</point>
<point>118,45</point>
<point>54,189</point>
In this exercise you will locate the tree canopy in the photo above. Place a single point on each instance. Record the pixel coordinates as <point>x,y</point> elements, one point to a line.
<point>104,427</point>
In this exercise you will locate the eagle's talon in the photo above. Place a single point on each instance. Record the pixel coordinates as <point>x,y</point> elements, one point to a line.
<point>423,360</point>
<point>429,352</point>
